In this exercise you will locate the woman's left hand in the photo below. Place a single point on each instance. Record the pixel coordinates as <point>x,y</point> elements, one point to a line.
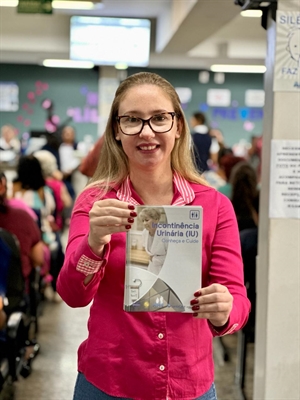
<point>214,303</point>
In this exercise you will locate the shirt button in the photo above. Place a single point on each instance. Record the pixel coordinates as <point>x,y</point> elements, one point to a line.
<point>162,367</point>
<point>160,336</point>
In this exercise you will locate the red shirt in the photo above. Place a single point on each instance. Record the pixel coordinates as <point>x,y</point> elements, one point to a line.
<point>22,225</point>
<point>150,355</point>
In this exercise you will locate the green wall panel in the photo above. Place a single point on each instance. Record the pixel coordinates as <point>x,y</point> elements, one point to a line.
<point>236,121</point>
<point>74,92</point>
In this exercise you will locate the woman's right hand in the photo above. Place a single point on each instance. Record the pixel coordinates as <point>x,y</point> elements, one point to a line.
<point>107,217</point>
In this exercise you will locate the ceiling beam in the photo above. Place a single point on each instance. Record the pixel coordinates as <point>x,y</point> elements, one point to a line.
<point>206,17</point>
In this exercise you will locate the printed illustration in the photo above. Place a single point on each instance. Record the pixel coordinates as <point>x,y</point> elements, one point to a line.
<point>294,45</point>
<point>287,61</point>
<point>163,259</point>
<point>156,249</point>
<point>159,298</point>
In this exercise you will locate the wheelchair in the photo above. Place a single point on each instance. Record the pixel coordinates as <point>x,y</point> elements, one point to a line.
<point>21,310</point>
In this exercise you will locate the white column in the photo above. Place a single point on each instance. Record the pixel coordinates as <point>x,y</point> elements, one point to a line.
<point>109,79</point>
<point>277,343</point>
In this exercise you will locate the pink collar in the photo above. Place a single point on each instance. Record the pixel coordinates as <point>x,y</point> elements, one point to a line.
<point>183,193</point>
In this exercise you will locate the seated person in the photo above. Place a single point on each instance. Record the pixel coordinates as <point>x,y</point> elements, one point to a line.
<point>20,223</point>
<point>9,140</point>
<point>30,185</point>
<point>10,145</point>
<point>226,163</point>
<point>53,178</point>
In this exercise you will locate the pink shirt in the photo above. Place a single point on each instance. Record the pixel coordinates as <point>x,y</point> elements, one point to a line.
<point>148,356</point>
<point>19,203</point>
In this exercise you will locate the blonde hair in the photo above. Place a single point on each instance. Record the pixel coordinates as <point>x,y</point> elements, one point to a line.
<point>48,162</point>
<point>113,168</point>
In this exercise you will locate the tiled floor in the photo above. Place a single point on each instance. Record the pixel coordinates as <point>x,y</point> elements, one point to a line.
<point>225,372</point>
<point>54,369</point>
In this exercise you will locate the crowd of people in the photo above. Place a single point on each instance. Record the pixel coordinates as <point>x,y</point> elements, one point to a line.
<point>35,207</point>
<point>149,154</point>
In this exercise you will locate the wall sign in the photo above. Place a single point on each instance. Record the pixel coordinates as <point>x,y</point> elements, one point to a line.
<point>218,97</point>
<point>9,96</point>
<point>285,179</point>
<point>287,63</point>
<point>254,98</point>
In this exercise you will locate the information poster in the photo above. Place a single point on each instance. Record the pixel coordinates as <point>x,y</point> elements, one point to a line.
<point>287,63</point>
<point>9,96</point>
<point>285,179</point>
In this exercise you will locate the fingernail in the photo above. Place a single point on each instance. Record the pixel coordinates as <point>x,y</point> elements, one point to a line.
<point>195,308</point>
<point>133,214</point>
<point>197,294</point>
<point>131,207</point>
<point>131,220</point>
<point>127,226</point>
<point>194,301</point>
<point>195,314</point>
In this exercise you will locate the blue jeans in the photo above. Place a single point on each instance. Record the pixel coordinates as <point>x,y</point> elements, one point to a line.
<point>86,391</point>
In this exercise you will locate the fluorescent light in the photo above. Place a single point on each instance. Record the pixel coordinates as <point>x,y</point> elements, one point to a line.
<point>254,69</point>
<point>9,3</point>
<point>121,65</point>
<point>73,5</point>
<point>68,64</point>
<point>251,13</point>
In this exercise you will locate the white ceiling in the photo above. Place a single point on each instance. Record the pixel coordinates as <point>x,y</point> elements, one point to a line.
<point>187,33</point>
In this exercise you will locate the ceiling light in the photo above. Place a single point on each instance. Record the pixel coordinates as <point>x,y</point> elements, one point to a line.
<point>252,69</point>
<point>9,3</point>
<point>251,13</point>
<point>72,5</point>
<point>68,64</point>
<point>121,65</point>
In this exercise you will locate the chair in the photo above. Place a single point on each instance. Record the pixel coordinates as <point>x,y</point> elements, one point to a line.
<point>249,239</point>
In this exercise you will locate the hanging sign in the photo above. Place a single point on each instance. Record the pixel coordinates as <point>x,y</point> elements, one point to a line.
<point>35,6</point>
<point>287,62</point>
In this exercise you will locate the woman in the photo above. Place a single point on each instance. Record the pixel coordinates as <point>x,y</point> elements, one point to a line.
<point>18,222</point>
<point>30,186</point>
<point>153,246</point>
<point>146,159</point>
<point>245,195</point>
<point>53,179</point>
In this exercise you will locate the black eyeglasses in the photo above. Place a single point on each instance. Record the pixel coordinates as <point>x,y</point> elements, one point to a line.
<point>159,123</point>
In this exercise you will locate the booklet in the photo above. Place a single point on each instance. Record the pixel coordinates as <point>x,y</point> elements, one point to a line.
<point>163,259</point>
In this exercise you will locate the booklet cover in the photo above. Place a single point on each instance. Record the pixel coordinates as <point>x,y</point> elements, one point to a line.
<point>163,259</point>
